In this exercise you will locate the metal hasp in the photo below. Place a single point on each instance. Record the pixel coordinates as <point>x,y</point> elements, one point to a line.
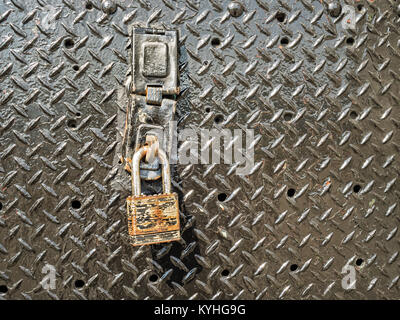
<point>154,76</point>
<point>155,218</point>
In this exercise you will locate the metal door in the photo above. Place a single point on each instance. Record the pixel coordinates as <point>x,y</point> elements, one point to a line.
<point>317,81</point>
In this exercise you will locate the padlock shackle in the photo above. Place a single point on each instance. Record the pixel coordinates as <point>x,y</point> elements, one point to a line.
<point>166,176</point>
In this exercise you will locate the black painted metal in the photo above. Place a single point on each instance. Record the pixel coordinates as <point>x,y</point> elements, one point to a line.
<point>323,101</point>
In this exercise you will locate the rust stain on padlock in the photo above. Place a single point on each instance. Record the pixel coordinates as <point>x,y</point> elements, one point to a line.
<point>152,218</point>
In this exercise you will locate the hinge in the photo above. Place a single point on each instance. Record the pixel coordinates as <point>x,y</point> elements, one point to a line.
<point>154,95</point>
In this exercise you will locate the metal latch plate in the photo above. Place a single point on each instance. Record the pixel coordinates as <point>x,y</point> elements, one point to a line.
<point>154,60</point>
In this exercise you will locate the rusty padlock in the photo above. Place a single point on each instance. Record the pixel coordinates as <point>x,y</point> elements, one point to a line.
<point>155,218</point>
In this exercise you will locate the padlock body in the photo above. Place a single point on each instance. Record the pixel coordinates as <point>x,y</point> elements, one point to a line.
<point>153,219</point>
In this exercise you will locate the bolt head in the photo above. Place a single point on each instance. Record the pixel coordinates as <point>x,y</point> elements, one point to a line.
<point>235,9</point>
<point>109,6</point>
<point>334,9</point>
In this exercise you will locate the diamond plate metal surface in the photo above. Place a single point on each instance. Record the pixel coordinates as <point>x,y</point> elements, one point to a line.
<point>323,101</point>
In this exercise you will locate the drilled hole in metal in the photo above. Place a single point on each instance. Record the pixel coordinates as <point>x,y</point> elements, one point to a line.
<point>71,123</point>
<point>215,42</point>
<point>280,16</point>
<point>350,40</point>
<point>68,43</point>
<point>353,114</point>
<point>357,188</point>
<point>293,267</point>
<point>222,197</point>
<point>218,118</point>
<point>3,289</point>
<point>291,192</point>
<point>359,262</point>
<point>360,7</point>
<point>284,41</point>
<point>75,67</point>
<point>208,109</point>
<point>89,6</point>
<point>76,204</point>
<point>153,278</point>
<point>288,116</point>
<point>78,114</point>
<point>225,273</point>
<point>79,283</point>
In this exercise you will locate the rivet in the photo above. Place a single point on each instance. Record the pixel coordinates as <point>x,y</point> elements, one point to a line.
<point>108,6</point>
<point>334,9</point>
<point>235,9</point>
